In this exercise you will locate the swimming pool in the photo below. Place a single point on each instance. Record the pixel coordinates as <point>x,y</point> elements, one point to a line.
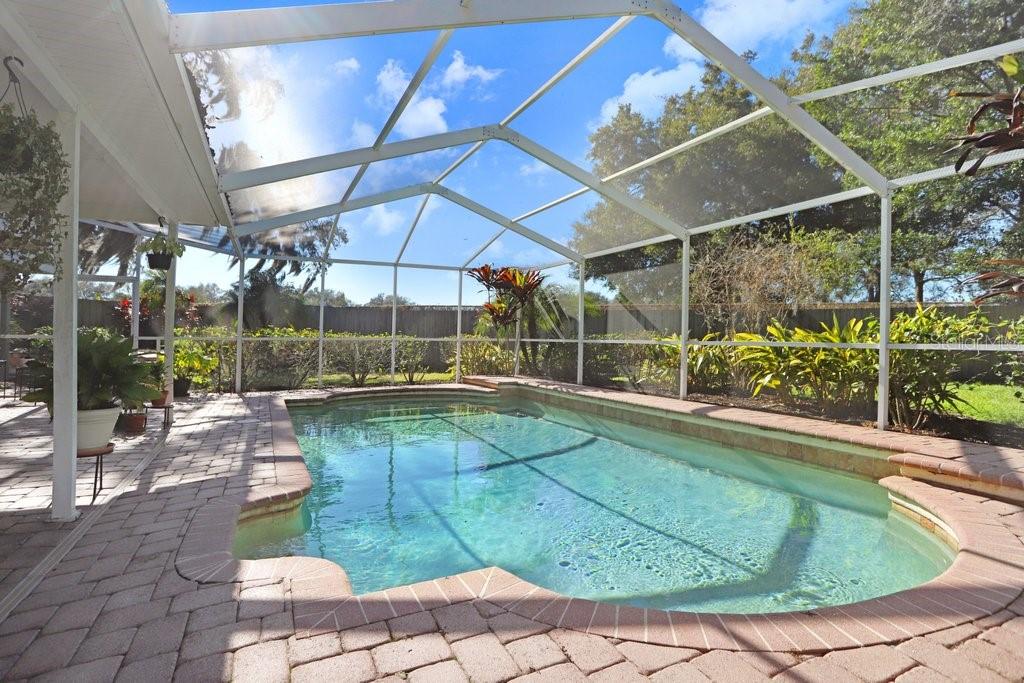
<point>406,490</point>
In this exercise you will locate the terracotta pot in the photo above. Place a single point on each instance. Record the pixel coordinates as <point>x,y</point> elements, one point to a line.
<point>133,423</point>
<point>162,401</point>
<point>95,427</point>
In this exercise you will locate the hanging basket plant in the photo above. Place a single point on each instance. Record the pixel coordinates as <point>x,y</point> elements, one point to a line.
<point>160,251</point>
<point>33,181</point>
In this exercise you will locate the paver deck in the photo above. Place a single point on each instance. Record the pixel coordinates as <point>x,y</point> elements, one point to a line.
<point>117,606</point>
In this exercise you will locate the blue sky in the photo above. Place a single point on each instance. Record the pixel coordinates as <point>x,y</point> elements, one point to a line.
<point>319,97</point>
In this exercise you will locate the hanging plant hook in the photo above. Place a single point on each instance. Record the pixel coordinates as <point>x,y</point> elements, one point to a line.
<point>14,82</point>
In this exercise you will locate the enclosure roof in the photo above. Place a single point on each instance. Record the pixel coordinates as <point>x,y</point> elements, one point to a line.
<point>212,118</point>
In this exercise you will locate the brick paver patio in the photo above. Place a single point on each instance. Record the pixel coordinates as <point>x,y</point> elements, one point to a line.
<point>117,607</point>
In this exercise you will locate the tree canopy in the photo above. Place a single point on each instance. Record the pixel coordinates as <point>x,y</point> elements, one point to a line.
<point>942,230</point>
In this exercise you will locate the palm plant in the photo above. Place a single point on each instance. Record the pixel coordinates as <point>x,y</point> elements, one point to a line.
<point>109,374</point>
<point>999,282</point>
<point>1009,106</point>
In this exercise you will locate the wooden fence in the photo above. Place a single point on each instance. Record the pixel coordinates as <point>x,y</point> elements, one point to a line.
<point>441,321</point>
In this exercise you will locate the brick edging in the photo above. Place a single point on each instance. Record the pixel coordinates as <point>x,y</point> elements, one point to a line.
<point>986,576</point>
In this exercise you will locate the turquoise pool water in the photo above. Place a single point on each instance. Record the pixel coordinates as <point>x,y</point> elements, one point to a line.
<point>411,490</point>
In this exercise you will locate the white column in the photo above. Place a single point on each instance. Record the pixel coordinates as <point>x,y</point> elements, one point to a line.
<point>580,315</point>
<point>884,312</point>
<point>136,291</point>
<point>394,321</point>
<point>65,335</point>
<point>239,325</point>
<point>684,323</point>
<point>320,342</point>
<point>458,336</point>
<point>170,284</point>
<point>519,338</point>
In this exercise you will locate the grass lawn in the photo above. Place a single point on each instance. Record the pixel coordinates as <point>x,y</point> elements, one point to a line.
<point>992,403</point>
<point>340,380</point>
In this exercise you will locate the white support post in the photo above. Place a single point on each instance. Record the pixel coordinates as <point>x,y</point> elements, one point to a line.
<point>136,293</point>
<point>65,335</point>
<point>684,322</point>
<point>884,312</point>
<point>170,283</point>
<point>458,336</point>
<point>320,341</point>
<point>239,324</point>
<point>519,341</point>
<point>581,313</point>
<point>394,321</point>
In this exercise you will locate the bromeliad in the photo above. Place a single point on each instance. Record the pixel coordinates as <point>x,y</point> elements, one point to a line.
<point>1009,106</point>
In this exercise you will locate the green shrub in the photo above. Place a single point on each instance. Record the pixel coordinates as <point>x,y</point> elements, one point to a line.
<point>841,381</point>
<point>272,362</point>
<point>357,355</point>
<point>410,354</point>
<point>483,356</point>
<point>924,382</point>
<point>1011,367</point>
<point>709,368</point>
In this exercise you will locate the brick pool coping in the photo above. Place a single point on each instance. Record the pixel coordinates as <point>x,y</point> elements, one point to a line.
<point>986,576</point>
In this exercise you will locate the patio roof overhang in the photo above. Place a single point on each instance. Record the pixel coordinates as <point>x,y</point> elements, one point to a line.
<point>143,154</point>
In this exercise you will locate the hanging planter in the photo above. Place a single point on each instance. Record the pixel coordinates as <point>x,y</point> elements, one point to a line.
<point>160,251</point>
<point>33,179</point>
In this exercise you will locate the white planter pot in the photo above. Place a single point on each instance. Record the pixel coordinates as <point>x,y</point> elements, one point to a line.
<point>95,427</point>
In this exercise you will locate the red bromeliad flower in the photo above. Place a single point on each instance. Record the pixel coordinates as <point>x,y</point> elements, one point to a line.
<point>513,289</point>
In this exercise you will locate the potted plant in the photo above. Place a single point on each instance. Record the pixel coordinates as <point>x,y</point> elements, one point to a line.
<point>110,376</point>
<point>156,372</point>
<point>192,366</point>
<point>133,419</point>
<point>159,251</point>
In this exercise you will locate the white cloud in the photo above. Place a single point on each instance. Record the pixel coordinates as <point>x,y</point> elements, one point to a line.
<point>740,24</point>
<point>363,134</point>
<point>459,73</point>
<point>646,92</point>
<point>423,115</point>
<point>534,168</point>
<point>349,66</point>
<point>383,220</point>
<point>745,25</point>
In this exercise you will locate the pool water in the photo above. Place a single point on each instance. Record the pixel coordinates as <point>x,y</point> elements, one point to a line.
<point>409,490</point>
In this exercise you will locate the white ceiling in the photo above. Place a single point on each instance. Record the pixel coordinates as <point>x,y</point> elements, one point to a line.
<point>136,163</point>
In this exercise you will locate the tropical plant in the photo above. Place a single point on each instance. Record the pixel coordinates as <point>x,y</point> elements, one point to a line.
<point>33,181</point>
<point>195,362</point>
<point>511,288</point>
<point>161,244</point>
<point>710,367</point>
<point>840,380</point>
<point>1010,108</point>
<point>999,282</point>
<point>110,373</point>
